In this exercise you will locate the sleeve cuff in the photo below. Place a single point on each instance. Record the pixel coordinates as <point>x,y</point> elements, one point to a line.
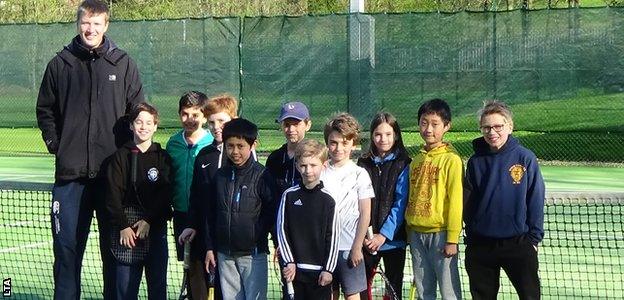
<point>452,236</point>
<point>386,233</point>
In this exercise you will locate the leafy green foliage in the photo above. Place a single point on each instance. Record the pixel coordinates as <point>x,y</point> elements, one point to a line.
<point>48,11</point>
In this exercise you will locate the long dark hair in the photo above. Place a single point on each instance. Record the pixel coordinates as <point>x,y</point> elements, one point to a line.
<point>385,117</point>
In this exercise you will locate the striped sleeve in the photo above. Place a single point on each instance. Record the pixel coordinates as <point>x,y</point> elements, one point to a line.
<point>332,234</point>
<point>282,237</point>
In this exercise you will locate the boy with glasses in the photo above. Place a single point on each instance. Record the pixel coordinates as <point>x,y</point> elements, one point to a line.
<point>504,213</point>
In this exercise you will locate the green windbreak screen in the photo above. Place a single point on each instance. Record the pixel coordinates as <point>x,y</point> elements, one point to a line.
<point>562,70</point>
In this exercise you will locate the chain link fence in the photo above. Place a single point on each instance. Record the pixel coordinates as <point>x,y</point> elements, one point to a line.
<point>562,70</point>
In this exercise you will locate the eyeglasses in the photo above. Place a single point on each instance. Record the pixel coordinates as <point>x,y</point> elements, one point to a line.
<point>496,128</point>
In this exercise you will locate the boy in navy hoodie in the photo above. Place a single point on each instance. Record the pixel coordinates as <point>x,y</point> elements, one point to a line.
<point>504,214</point>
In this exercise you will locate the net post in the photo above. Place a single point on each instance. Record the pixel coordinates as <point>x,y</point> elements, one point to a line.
<point>361,62</point>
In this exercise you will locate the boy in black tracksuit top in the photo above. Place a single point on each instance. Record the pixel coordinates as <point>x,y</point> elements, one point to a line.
<point>504,214</point>
<point>241,215</point>
<point>307,227</point>
<point>152,194</point>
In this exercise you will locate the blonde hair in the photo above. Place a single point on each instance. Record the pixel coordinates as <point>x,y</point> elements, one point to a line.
<point>345,124</point>
<point>311,148</point>
<point>495,107</point>
<point>222,103</point>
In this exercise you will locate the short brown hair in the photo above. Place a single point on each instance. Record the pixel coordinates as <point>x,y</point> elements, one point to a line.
<point>92,7</point>
<point>143,106</point>
<point>345,124</point>
<point>310,148</point>
<point>495,107</point>
<point>221,103</point>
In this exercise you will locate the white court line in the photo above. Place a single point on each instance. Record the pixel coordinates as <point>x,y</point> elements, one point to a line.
<point>33,245</point>
<point>24,223</point>
<point>17,177</point>
<point>19,248</point>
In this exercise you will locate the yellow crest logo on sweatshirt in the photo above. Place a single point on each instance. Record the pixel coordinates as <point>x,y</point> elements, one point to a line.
<point>517,172</point>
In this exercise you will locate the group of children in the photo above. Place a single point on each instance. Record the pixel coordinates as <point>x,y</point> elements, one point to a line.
<point>318,204</point>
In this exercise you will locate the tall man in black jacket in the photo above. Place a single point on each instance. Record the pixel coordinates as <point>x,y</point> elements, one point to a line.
<point>84,92</point>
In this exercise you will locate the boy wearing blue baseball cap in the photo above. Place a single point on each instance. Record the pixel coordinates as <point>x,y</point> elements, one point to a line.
<point>294,119</point>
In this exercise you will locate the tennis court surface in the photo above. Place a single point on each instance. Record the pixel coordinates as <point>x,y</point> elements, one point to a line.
<point>582,255</point>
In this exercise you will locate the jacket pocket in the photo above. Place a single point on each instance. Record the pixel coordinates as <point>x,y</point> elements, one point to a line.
<point>243,232</point>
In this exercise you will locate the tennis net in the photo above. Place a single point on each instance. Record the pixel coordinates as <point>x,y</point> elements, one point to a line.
<point>582,255</point>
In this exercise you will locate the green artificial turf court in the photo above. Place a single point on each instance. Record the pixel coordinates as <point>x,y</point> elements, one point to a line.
<point>582,255</point>
<point>557,177</point>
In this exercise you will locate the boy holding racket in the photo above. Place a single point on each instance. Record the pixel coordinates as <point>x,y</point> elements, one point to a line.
<point>307,227</point>
<point>183,147</point>
<point>434,210</point>
<point>138,178</point>
<point>218,110</point>
<point>238,214</point>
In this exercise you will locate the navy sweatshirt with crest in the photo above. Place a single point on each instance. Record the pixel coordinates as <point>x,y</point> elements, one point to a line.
<point>506,193</point>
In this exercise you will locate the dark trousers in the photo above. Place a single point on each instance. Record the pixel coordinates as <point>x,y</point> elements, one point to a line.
<point>394,262</point>
<point>306,286</point>
<point>516,256</point>
<point>73,203</point>
<point>198,279</point>
<point>128,277</point>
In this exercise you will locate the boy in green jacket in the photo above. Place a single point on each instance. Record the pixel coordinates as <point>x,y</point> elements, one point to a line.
<point>183,147</point>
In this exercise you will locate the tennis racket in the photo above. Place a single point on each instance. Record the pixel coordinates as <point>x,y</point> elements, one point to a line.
<point>381,287</point>
<point>412,292</point>
<point>123,254</point>
<point>290,290</point>
<point>211,285</point>
<point>184,289</point>
<point>369,235</point>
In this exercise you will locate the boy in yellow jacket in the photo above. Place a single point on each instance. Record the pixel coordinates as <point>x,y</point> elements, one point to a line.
<point>434,208</point>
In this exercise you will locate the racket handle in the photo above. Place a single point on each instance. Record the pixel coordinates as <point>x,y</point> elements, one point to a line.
<point>133,166</point>
<point>412,292</point>
<point>211,293</point>
<point>187,255</point>
<point>290,290</point>
<point>369,235</point>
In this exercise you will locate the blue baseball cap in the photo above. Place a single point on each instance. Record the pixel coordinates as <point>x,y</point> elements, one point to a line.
<point>294,110</point>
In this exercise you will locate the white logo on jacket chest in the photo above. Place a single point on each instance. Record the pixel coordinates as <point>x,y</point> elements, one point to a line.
<point>152,174</point>
<point>298,202</point>
<point>112,77</point>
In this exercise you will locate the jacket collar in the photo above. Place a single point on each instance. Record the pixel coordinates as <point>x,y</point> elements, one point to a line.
<point>481,147</point>
<point>315,188</point>
<point>245,167</point>
<point>444,148</point>
<point>379,160</point>
<point>130,145</point>
<point>75,51</point>
<point>79,50</point>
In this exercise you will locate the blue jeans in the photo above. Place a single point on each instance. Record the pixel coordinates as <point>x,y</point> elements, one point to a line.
<point>71,212</point>
<point>128,278</point>
<point>431,268</point>
<point>243,277</point>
